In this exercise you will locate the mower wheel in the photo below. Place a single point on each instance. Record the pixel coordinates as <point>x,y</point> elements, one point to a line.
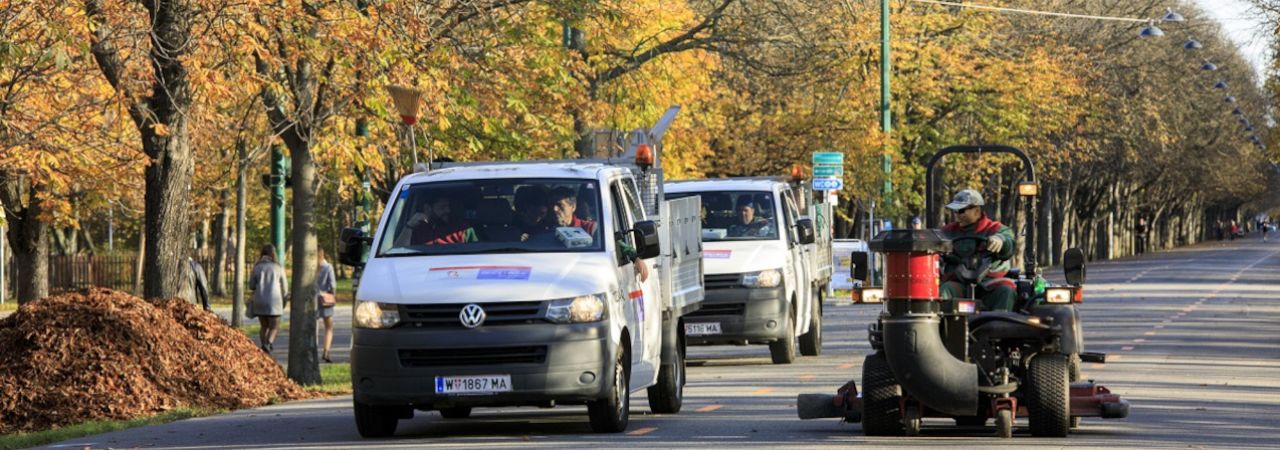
<point>1004,423</point>
<point>1049,396</point>
<point>881,398</point>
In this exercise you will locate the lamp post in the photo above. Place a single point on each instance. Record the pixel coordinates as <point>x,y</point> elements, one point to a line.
<point>886,124</point>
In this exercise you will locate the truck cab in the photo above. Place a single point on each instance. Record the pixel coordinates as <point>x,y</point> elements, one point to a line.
<point>534,283</point>
<point>767,268</point>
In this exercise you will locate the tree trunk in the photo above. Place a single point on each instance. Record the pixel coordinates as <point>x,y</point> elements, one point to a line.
<point>219,280</point>
<point>237,287</point>
<point>138,263</point>
<point>304,362</point>
<point>28,239</point>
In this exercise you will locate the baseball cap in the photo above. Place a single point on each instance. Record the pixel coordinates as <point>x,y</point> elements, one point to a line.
<point>965,199</point>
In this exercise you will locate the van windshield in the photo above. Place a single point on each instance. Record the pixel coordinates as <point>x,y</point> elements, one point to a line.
<point>511,215</point>
<point>735,215</point>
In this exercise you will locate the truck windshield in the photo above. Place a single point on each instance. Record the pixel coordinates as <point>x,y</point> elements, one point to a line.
<point>494,216</point>
<point>735,215</point>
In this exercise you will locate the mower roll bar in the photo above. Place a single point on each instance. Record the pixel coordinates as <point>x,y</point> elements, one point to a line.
<point>1029,174</point>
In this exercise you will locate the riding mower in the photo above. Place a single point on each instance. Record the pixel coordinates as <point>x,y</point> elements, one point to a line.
<point>936,357</point>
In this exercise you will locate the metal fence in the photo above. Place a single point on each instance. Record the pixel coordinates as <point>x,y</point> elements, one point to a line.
<point>75,272</point>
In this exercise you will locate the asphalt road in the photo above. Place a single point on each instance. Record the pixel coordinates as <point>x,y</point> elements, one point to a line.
<point>1193,337</point>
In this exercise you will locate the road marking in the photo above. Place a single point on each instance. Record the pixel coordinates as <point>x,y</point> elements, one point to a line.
<point>1139,340</point>
<point>1150,333</point>
<point>1126,348</point>
<point>807,377</point>
<point>762,391</point>
<point>708,408</point>
<point>1167,321</point>
<point>1113,357</point>
<point>642,431</point>
<point>845,366</point>
<point>1097,366</point>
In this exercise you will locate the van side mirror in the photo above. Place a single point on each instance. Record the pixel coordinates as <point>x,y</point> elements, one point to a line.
<point>353,247</point>
<point>858,266</point>
<point>804,230</point>
<point>1073,266</point>
<point>646,232</point>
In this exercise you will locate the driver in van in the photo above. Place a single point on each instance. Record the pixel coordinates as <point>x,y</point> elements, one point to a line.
<point>564,204</point>
<point>997,292</point>
<point>432,225</point>
<point>748,223</point>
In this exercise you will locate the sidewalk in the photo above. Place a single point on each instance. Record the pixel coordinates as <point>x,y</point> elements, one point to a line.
<point>339,352</point>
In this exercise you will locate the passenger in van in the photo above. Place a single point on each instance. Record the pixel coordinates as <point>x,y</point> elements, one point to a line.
<point>564,203</point>
<point>432,225</point>
<point>748,223</point>
<point>531,212</point>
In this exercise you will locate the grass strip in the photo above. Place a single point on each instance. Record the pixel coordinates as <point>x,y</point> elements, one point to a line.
<point>37,438</point>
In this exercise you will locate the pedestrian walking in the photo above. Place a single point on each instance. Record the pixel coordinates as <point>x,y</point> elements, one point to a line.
<point>1140,234</point>
<point>270,293</point>
<point>326,300</point>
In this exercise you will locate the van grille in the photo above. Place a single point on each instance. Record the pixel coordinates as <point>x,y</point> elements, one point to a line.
<point>433,357</point>
<point>446,316</point>
<point>722,281</point>
<point>722,309</point>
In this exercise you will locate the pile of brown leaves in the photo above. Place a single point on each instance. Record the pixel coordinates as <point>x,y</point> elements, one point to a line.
<point>102,354</point>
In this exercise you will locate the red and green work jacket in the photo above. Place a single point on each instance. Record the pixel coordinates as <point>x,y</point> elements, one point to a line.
<point>984,227</point>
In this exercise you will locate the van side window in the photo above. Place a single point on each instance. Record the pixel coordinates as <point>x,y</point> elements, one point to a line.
<point>789,209</point>
<point>621,221</point>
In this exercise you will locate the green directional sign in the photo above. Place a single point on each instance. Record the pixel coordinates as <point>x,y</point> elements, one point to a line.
<point>828,158</point>
<point>828,171</point>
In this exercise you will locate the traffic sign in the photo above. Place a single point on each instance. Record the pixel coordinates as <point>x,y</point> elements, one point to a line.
<point>828,171</point>
<point>828,184</point>
<point>828,158</point>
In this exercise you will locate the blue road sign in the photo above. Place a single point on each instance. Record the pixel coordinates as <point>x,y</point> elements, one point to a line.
<point>828,184</point>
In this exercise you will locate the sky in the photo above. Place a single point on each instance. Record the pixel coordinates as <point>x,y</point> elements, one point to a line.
<point>1242,28</point>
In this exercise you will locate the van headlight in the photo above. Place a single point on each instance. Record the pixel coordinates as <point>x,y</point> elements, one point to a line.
<point>583,308</point>
<point>762,279</point>
<point>375,315</point>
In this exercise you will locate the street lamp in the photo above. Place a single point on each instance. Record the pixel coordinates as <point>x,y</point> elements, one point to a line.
<point>1171,16</point>
<point>1192,44</point>
<point>1151,30</point>
<point>1208,66</point>
<point>1220,85</point>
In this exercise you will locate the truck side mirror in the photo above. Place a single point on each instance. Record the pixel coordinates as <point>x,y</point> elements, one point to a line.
<point>858,266</point>
<point>1073,266</point>
<point>353,247</point>
<point>804,230</point>
<point>647,239</point>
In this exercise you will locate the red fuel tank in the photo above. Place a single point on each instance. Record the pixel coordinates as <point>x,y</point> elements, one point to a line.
<point>911,270</point>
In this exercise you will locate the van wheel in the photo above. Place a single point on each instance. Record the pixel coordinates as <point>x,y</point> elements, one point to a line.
<point>811,342</point>
<point>376,421</point>
<point>783,350</point>
<point>457,412</point>
<point>667,395</point>
<point>611,414</point>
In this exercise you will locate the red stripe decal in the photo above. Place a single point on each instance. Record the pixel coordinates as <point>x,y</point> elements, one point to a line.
<point>478,267</point>
<point>635,294</point>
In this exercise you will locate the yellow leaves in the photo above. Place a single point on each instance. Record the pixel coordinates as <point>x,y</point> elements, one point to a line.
<point>160,129</point>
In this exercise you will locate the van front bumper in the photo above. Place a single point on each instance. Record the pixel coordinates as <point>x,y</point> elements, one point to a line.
<point>547,363</point>
<point>745,316</point>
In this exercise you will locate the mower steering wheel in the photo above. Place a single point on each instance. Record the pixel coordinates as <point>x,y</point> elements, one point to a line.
<point>971,266</point>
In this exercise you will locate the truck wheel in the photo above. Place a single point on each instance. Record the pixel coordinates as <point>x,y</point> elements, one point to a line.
<point>611,414</point>
<point>376,421</point>
<point>457,412</point>
<point>783,350</point>
<point>667,396</point>
<point>881,398</point>
<point>1048,401</point>
<point>811,342</point>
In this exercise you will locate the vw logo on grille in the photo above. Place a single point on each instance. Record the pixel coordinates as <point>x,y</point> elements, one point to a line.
<point>471,316</point>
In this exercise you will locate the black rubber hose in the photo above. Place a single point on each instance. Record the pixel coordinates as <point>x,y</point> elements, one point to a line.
<point>925,369</point>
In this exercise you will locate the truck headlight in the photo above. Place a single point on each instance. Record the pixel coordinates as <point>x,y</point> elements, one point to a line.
<point>583,308</point>
<point>762,279</point>
<point>375,315</point>
<point>1057,295</point>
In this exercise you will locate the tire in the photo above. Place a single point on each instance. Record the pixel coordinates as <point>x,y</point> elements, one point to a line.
<point>1048,398</point>
<point>667,395</point>
<point>375,421</point>
<point>1075,376</point>
<point>1004,423</point>
<point>457,412</point>
<point>881,398</point>
<point>612,413</point>
<point>811,342</point>
<point>783,351</point>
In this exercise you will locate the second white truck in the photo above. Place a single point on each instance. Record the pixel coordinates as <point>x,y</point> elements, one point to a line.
<point>767,253</point>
